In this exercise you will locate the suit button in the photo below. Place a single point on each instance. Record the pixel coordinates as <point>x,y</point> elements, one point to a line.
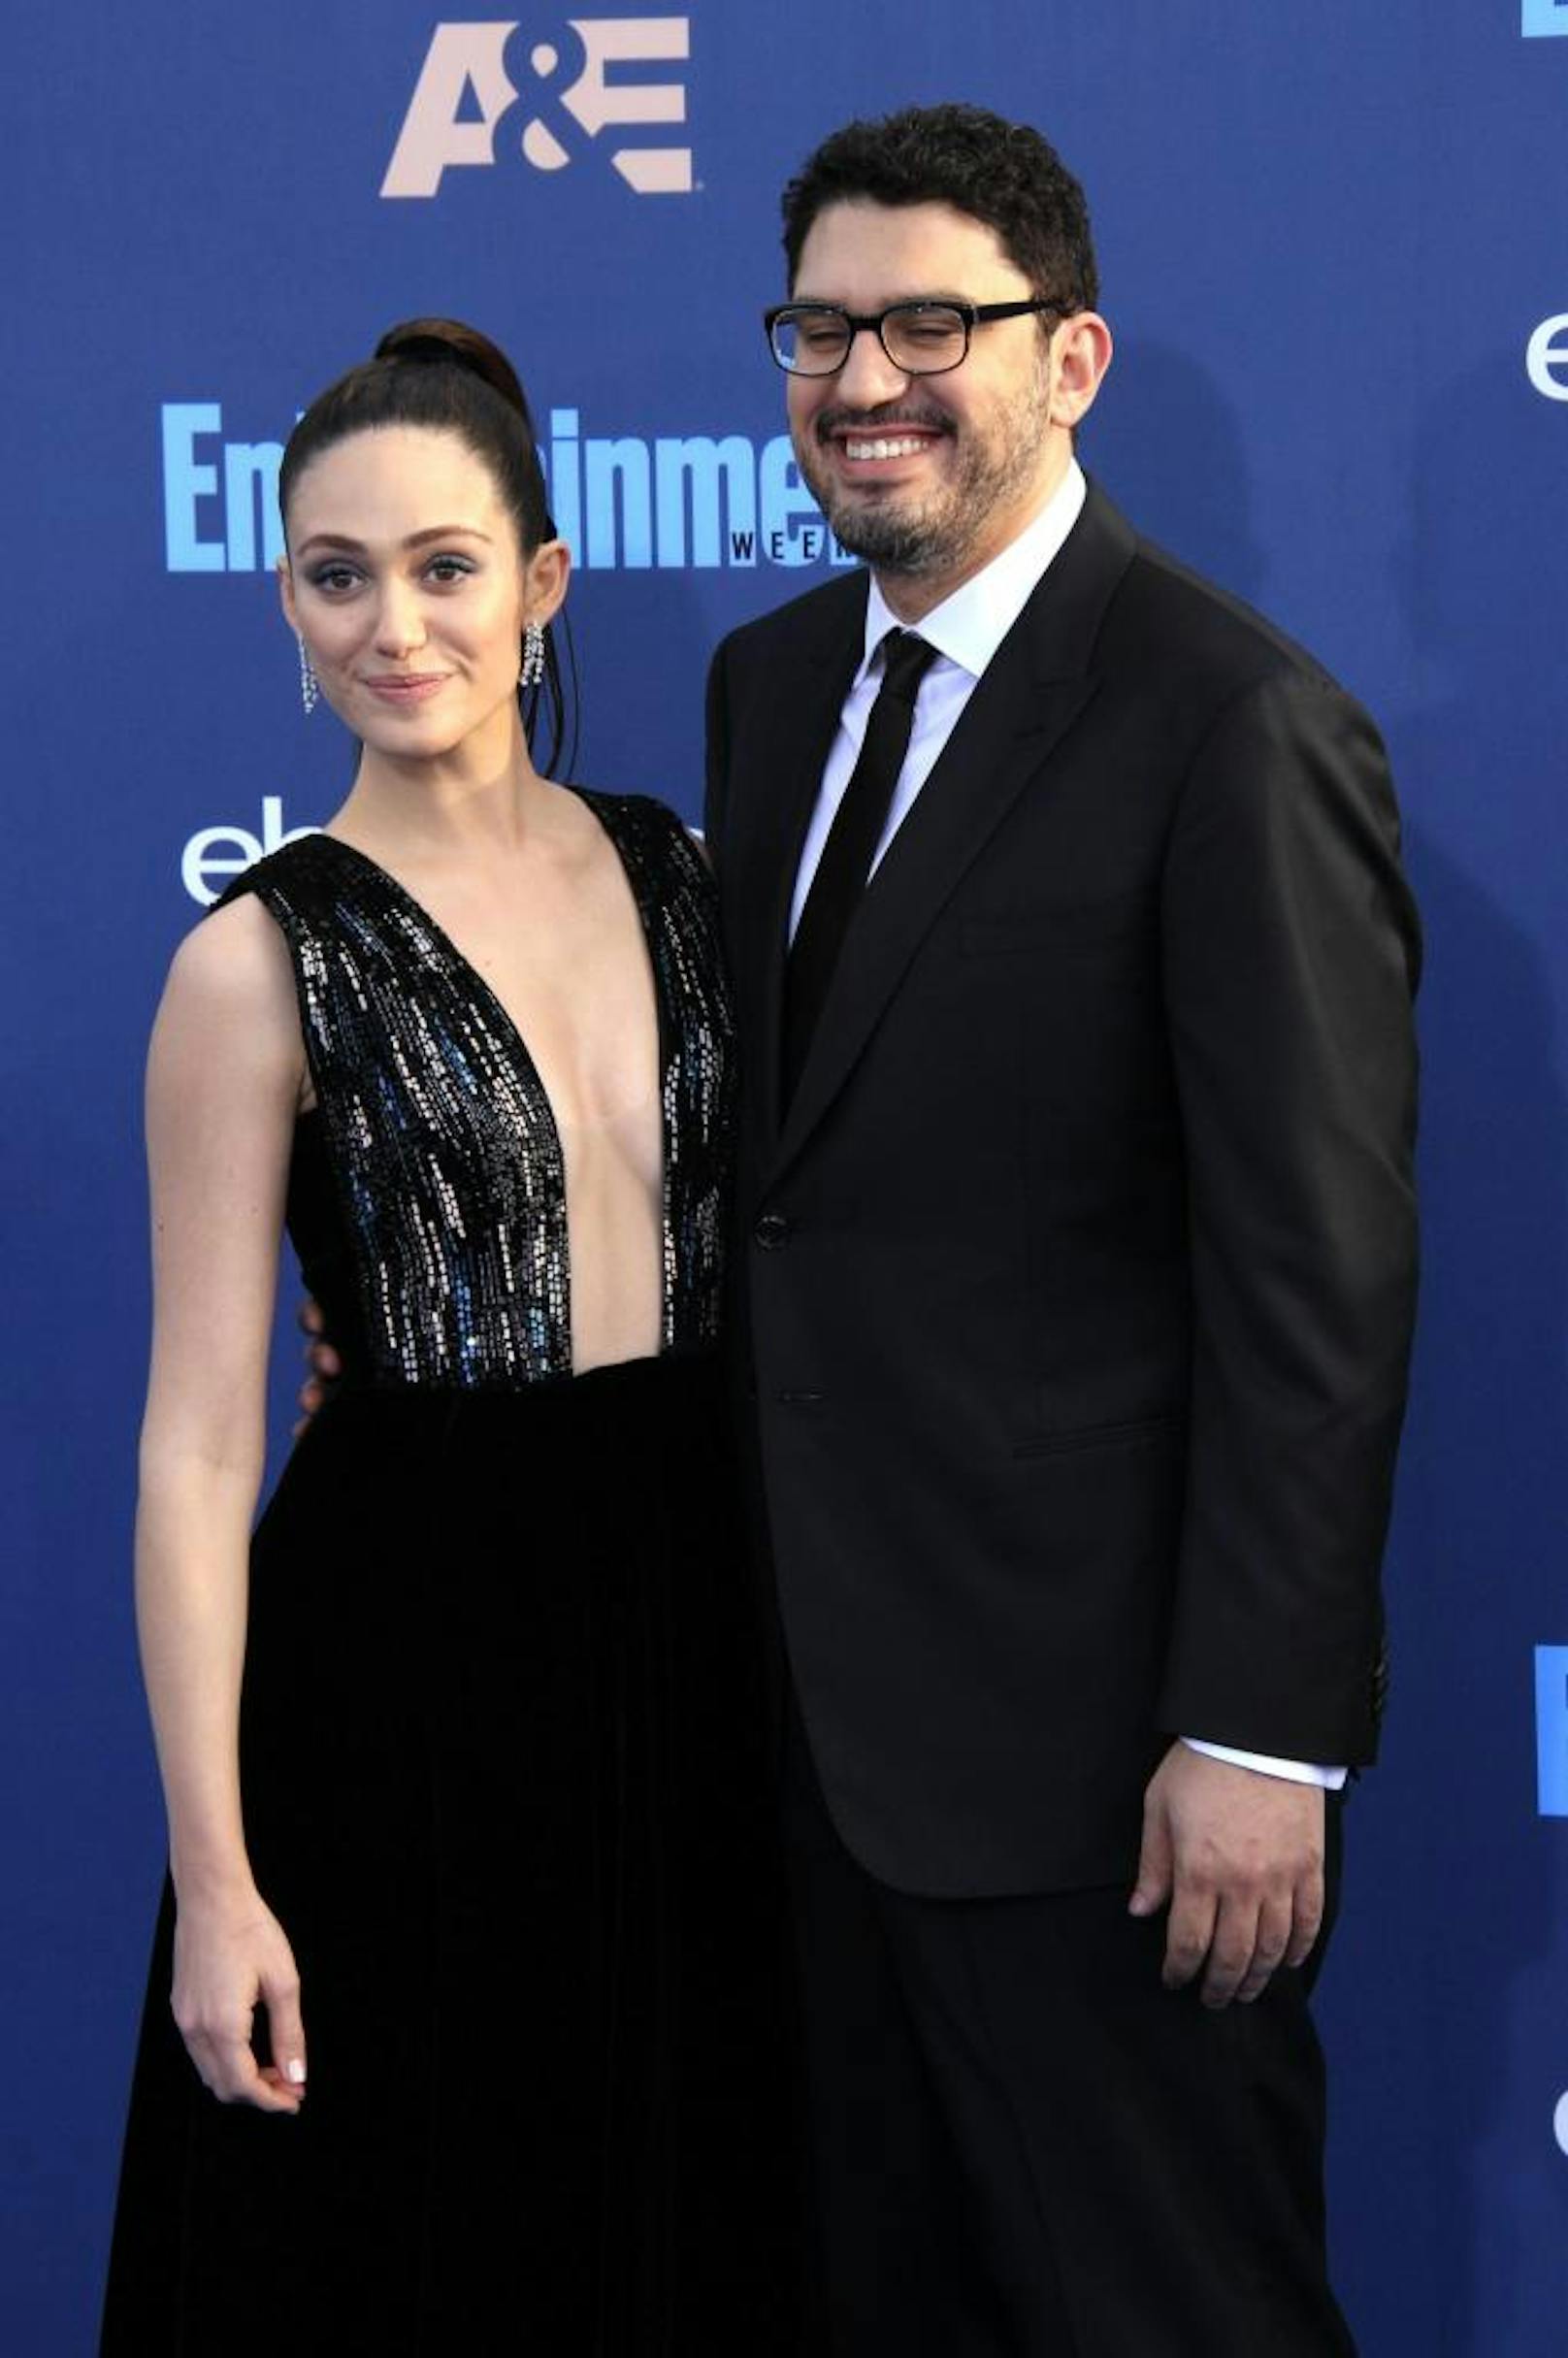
<point>771,1230</point>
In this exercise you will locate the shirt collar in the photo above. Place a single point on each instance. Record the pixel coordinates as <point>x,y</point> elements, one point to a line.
<point>968,627</point>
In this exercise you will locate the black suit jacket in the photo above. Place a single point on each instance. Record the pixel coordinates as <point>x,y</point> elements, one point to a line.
<point>1079,1274</point>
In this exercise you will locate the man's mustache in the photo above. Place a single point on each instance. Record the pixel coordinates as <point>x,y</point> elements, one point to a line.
<point>892,413</point>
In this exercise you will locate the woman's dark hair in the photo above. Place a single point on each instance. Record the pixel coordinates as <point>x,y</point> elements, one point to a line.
<point>1002,173</point>
<point>439,373</point>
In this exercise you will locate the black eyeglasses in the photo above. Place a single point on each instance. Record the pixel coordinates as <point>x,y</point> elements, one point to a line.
<point>921,339</point>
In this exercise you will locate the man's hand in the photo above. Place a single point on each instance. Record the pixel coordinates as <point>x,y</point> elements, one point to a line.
<point>1239,1856</point>
<point>321,1358</point>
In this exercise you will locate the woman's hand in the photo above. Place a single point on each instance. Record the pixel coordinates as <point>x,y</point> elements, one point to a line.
<point>231,1955</point>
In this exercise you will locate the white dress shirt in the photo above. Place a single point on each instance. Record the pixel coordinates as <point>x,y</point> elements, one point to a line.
<point>966,629</point>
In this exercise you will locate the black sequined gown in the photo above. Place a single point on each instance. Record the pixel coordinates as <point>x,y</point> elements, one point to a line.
<point>503,1740</point>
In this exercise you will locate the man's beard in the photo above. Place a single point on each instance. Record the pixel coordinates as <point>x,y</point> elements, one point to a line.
<point>903,535</point>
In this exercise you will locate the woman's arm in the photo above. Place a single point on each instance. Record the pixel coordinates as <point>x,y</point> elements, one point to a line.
<point>224,1076</point>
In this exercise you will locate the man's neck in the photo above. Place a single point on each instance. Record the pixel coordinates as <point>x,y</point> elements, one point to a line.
<point>912,596</point>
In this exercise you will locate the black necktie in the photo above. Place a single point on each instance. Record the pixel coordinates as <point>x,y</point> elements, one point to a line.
<point>850,846</point>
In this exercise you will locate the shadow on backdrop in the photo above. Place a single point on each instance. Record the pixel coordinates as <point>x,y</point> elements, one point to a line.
<point>1446,1990</point>
<point>1166,445</point>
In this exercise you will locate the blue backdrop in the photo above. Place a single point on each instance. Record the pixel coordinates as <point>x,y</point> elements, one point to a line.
<point>1333,242</point>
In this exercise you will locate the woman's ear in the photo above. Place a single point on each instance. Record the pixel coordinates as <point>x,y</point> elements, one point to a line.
<point>544,581</point>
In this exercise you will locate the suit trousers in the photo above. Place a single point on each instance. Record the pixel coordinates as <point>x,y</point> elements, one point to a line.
<point>1022,2146</point>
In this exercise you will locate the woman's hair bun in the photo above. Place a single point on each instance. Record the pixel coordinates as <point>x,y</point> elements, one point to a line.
<point>432,341</point>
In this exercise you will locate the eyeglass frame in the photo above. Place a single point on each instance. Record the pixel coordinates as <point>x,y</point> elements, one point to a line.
<point>972,315</point>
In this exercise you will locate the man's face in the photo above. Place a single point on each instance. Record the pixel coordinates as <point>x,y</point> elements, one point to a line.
<point>926,477</point>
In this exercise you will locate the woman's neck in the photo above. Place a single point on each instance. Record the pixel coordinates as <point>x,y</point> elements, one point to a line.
<point>476,800</point>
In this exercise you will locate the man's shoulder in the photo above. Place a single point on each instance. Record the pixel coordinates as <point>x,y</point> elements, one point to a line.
<point>831,613</point>
<point>1164,612</point>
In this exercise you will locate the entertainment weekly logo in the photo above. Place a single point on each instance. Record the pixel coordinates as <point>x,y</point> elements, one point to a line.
<point>568,88</point>
<point>1540,20</point>
<point>622,502</point>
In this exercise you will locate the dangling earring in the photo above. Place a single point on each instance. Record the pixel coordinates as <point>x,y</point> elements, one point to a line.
<point>533,671</point>
<point>309,685</point>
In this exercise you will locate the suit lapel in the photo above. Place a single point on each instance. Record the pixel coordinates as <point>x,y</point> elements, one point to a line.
<point>1034,687</point>
<point>788,752</point>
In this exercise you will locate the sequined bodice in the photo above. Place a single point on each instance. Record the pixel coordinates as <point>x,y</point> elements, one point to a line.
<point>443,1243</point>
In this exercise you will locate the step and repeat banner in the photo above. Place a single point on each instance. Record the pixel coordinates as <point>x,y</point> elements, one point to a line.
<point>1334,245</point>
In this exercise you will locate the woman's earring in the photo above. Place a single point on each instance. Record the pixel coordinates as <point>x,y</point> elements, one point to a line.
<point>309,685</point>
<point>533,671</point>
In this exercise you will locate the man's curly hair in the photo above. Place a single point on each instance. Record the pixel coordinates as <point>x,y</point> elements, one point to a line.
<point>1002,173</point>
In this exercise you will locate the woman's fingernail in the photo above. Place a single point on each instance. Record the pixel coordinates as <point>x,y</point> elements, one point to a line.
<point>294,2072</point>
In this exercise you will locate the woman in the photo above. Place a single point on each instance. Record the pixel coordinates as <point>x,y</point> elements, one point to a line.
<point>472,1928</point>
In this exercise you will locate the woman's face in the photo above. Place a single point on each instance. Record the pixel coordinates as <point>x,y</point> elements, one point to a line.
<point>406,580</point>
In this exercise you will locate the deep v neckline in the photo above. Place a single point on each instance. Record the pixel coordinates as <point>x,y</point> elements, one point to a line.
<point>512,1031</point>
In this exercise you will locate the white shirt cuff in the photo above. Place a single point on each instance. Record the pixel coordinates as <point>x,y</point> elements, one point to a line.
<point>1298,1772</point>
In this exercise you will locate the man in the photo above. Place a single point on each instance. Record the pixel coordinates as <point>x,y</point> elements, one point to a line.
<point>1078,1281</point>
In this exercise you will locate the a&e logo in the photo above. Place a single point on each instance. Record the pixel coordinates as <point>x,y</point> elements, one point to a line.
<point>559,87</point>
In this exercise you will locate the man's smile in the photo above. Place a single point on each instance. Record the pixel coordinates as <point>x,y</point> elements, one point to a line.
<point>904,445</point>
<point>861,445</point>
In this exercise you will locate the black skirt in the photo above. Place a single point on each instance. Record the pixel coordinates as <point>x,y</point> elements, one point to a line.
<point>507,1784</point>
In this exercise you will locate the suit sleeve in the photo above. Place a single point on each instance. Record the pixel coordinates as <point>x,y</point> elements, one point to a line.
<point>1291,952</point>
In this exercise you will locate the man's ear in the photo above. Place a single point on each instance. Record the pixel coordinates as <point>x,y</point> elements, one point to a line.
<point>1082,354</point>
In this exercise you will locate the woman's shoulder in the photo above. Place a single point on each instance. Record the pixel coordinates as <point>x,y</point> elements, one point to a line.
<point>231,979</point>
<point>295,871</point>
<point>241,952</point>
<point>642,822</point>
